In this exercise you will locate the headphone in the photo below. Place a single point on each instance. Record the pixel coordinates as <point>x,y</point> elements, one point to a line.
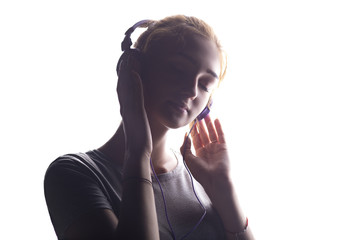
<point>127,51</point>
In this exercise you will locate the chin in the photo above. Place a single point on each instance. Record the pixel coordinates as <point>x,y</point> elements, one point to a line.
<point>175,124</point>
<point>173,119</point>
<point>170,117</point>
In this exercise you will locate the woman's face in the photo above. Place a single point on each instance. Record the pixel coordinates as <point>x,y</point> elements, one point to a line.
<point>178,81</point>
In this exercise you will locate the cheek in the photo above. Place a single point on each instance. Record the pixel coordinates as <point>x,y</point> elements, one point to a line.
<point>200,105</point>
<point>154,94</point>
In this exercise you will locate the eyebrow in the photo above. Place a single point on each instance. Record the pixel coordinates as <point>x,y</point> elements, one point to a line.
<point>211,72</point>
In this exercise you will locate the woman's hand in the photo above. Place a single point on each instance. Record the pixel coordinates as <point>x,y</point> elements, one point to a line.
<point>210,166</point>
<point>138,219</point>
<point>130,94</point>
<point>211,169</point>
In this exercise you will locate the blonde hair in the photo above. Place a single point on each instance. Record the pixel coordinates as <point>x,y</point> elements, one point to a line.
<point>175,27</point>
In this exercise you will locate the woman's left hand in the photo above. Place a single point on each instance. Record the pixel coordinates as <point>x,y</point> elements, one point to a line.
<point>210,166</point>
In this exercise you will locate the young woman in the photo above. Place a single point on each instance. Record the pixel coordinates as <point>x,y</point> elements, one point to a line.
<point>135,186</point>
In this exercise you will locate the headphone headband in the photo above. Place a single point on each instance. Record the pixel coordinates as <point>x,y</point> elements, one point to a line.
<point>126,43</point>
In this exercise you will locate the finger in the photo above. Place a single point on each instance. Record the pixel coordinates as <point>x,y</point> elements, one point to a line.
<point>194,163</point>
<point>123,77</point>
<point>186,146</point>
<point>137,90</point>
<point>203,133</point>
<point>122,88</point>
<point>220,131</point>
<point>183,148</point>
<point>196,137</point>
<point>211,129</point>
<point>130,62</point>
<point>130,94</point>
<point>125,67</point>
<point>125,59</point>
<point>121,67</point>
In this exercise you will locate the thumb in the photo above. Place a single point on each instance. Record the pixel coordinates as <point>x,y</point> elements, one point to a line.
<point>195,164</point>
<point>137,80</point>
<point>186,147</point>
<point>138,90</point>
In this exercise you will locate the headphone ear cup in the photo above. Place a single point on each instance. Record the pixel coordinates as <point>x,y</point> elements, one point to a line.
<point>205,111</point>
<point>132,57</point>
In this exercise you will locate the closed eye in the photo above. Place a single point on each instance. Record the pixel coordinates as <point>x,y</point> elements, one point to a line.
<point>203,87</point>
<point>207,83</point>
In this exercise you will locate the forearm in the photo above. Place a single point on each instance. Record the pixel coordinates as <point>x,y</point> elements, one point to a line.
<point>138,219</point>
<point>226,203</point>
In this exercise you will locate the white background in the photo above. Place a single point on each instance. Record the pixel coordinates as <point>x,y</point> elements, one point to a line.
<point>290,104</point>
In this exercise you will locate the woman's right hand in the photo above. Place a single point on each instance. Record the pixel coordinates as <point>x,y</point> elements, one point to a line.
<point>131,98</point>
<point>138,219</point>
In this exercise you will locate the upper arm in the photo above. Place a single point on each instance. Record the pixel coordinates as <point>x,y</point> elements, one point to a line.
<point>97,224</point>
<point>77,205</point>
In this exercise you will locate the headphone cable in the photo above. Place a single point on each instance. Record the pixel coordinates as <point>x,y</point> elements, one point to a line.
<point>193,187</point>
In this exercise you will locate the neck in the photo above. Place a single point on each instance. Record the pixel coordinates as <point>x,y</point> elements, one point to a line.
<point>162,157</point>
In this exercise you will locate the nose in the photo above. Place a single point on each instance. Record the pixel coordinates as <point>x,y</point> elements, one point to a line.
<point>190,88</point>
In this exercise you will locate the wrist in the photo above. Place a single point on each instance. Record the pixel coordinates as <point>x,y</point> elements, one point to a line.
<point>138,149</point>
<point>224,199</point>
<point>219,185</point>
<point>137,164</point>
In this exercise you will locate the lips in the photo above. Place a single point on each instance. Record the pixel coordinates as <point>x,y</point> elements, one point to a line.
<point>179,105</point>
